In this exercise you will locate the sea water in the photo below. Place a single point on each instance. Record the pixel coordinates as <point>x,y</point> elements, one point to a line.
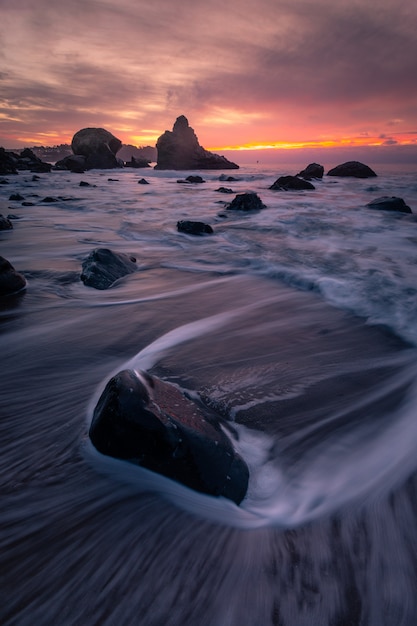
<point>297,324</point>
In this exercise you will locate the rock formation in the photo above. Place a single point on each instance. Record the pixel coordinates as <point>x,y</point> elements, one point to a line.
<point>179,149</point>
<point>352,168</point>
<point>386,203</point>
<point>149,422</point>
<point>98,146</point>
<point>103,267</point>
<point>11,162</point>
<point>10,280</point>
<point>286,183</point>
<point>5,223</point>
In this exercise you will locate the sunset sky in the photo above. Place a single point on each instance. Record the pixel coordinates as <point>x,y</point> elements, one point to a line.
<point>248,73</point>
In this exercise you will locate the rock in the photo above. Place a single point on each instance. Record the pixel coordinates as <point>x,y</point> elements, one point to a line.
<point>10,280</point>
<point>29,161</point>
<point>224,190</point>
<point>73,162</point>
<point>246,202</point>
<point>386,203</point>
<point>103,267</point>
<point>313,170</point>
<point>137,162</point>
<point>5,223</point>
<point>194,228</point>
<point>150,423</point>
<point>16,197</point>
<point>143,181</point>
<point>226,178</point>
<point>352,168</point>
<point>179,149</point>
<point>286,183</point>
<point>98,146</point>
<point>49,199</point>
<point>8,162</point>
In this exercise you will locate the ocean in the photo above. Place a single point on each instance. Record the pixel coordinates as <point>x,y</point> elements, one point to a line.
<point>296,323</point>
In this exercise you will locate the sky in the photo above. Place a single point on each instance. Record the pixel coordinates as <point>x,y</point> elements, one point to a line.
<point>248,74</point>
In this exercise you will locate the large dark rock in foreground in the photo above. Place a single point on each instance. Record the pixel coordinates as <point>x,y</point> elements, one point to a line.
<point>11,162</point>
<point>98,146</point>
<point>149,422</point>
<point>179,150</point>
<point>386,203</point>
<point>103,267</point>
<point>287,183</point>
<point>352,168</point>
<point>10,280</point>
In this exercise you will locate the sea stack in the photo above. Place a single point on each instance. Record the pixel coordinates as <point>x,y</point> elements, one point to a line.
<point>179,149</point>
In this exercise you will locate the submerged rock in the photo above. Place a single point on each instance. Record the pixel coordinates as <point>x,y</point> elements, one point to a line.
<point>386,203</point>
<point>313,170</point>
<point>150,423</point>
<point>246,202</point>
<point>103,267</point>
<point>179,149</point>
<point>5,223</point>
<point>352,168</point>
<point>98,146</point>
<point>194,228</point>
<point>10,280</point>
<point>286,183</point>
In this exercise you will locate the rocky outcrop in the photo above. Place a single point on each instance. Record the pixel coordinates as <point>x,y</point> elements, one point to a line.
<point>10,280</point>
<point>98,146</point>
<point>194,228</point>
<point>137,162</point>
<point>352,168</point>
<point>11,162</point>
<point>386,203</point>
<point>103,267</point>
<point>179,149</point>
<point>246,202</point>
<point>151,423</point>
<point>73,162</point>
<point>313,170</point>
<point>286,183</point>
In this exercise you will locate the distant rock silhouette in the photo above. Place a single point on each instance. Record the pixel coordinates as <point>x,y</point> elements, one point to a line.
<point>286,183</point>
<point>352,168</point>
<point>387,203</point>
<point>313,170</point>
<point>11,162</point>
<point>179,149</point>
<point>98,146</point>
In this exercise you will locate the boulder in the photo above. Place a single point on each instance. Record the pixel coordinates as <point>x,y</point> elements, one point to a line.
<point>194,228</point>
<point>73,162</point>
<point>8,162</point>
<point>143,181</point>
<point>98,146</point>
<point>5,223</point>
<point>386,203</point>
<point>286,183</point>
<point>10,280</point>
<point>246,202</point>
<point>179,149</point>
<point>352,168</point>
<point>313,170</point>
<point>29,161</point>
<point>151,423</point>
<point>192,180</point>
<point>103,267</point>
<point>224,190</point>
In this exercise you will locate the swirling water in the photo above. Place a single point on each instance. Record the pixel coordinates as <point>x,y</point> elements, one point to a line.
<point>297,323</point>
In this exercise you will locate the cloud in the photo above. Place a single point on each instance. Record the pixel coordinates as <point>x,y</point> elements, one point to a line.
<point>267,69</point>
